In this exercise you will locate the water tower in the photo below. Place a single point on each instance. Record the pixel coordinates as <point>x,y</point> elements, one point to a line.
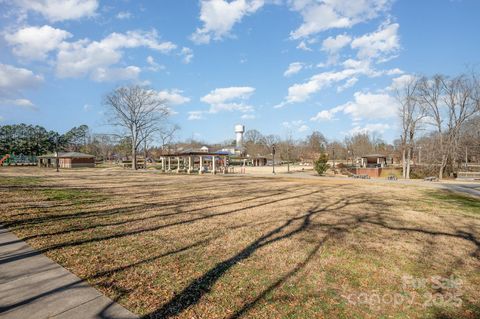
<point>239,130</point>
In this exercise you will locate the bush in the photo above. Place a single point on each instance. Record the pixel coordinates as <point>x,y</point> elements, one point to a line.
<point>321,165</point>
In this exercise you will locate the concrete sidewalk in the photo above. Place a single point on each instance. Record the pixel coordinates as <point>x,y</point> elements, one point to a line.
<point>33,286</point>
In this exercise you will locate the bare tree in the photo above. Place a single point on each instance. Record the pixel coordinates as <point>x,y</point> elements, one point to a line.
<point>137,110</point>
<point>411,115</point>
<point>449,104</point>
<point>167,134</point>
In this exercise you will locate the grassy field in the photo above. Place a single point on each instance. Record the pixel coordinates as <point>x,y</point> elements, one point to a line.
<point>253,247</point>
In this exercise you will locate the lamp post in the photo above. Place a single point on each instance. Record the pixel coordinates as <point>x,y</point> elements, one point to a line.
<point>56,160</point>
<point>273,158</point>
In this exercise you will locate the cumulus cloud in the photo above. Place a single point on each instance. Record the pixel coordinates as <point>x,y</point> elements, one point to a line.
<point>400,82</point>
<point>369,128</point>
<point>13,79</point>
<point>85,57</point>
<point>34,43</point>
<point>219,17</point>
<point>333,44</point>
<point>153,65</point>
<point>298,125</point>
<point>364,106</point>
<point>293,68</point>
<point>25,103</point>
<point>347,77</point>
<point>173,97</point>
<point>226,99</point>
<point>380,44</point>
<point>115,74</point>
<point>323,15</point>
<point>300,92</point>
<point>187,55</point>
<point>303,46</point>
<point>60,10</point>
<point>327,115</point>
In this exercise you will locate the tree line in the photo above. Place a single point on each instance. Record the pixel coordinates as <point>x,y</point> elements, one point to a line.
<point>439,121</point>
<point>441,116</point>
<point>36,140</point>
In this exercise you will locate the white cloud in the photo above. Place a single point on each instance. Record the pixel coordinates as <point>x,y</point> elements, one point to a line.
<point>226,99</point>
<point>14,80</point>
<point>195,115</point>
<point>34,43</point>
<point>187,54</point>
<point>223,95</point>
<point>369,128</point>
<point>25,103</point>
<point>321,15</point>
<point>303,46</point>
<point>298,125</point>
<point>153,65</point>
<point>60,10</point>
<point>370,105</point>
<point>364,106</point>
<point>123,15</point>
<point>293,68</point>
<point>85,57</point>
<point>333,45</point>
<point>219,17</point>
<point>173,97</point>
<point>247,117</point>
<point>327,115</point>
<point>348,84</point>
<point>400,82</point>
<point>301,92</point>
<point>380,44</point>
<point>115,74</point>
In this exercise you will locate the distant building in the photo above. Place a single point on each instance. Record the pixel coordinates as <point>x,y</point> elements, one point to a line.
<point>67,160</point>
<point>373,160</point>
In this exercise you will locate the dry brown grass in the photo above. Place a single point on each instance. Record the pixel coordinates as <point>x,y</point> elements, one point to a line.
<point>226,246</point>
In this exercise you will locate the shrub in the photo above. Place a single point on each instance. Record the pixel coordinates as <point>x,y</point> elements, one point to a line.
<point>321,165</point>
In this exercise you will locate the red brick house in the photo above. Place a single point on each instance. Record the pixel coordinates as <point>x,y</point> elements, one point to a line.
<point>67,160</point>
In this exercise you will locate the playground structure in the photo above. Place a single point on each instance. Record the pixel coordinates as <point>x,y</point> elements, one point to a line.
<point>18,160</point>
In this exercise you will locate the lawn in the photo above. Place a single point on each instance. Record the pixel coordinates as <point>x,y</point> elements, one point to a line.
<point>167,246</point>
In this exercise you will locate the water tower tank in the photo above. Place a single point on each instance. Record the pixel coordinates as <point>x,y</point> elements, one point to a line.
<point>239,130</point>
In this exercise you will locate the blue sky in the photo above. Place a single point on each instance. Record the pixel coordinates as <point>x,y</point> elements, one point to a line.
<point>279,66</point>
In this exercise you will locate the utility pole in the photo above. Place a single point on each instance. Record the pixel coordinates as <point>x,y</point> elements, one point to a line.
<point>333,155</point>
<point>273,159</point>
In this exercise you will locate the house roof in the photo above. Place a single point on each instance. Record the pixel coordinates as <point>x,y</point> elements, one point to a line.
<point>374,155</point>
<point>68,155</point>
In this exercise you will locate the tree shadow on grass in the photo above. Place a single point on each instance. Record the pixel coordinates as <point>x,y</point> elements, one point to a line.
<point>154,228</point>
<point>200,286</point>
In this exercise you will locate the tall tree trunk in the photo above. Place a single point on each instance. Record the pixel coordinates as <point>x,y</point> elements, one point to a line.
<point>404,168</point>
<point>134,155</point>
<point>442,167</point>
<point>409,156</point>
<point>145,153</point>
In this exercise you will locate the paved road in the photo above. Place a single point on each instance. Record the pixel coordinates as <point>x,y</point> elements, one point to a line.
<point>33,286</point>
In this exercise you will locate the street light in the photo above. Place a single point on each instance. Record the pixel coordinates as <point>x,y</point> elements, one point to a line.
<point>273,158</point>
<point>56,160</point>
